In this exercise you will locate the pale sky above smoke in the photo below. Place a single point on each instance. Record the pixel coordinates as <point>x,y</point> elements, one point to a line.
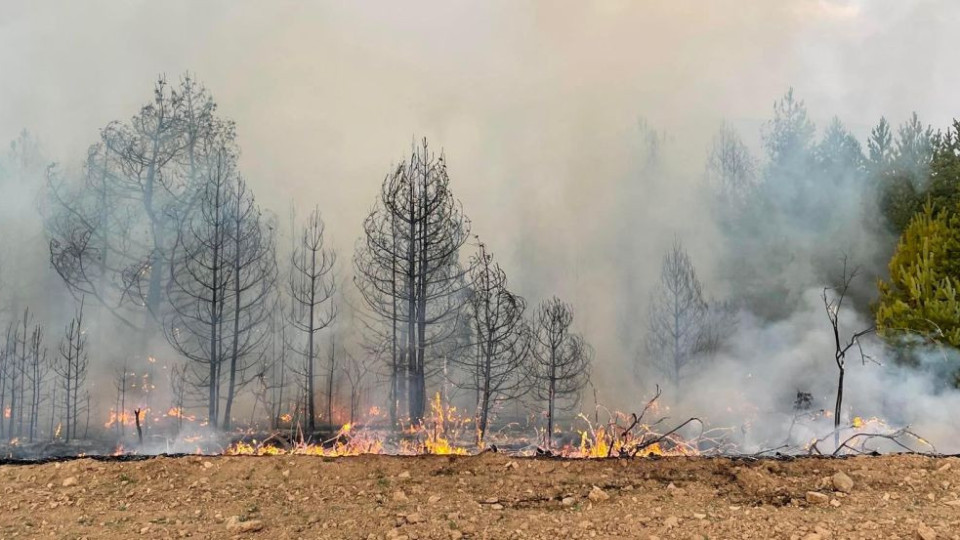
<point>535,102</point>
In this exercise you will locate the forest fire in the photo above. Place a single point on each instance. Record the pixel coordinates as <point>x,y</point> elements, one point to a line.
<point>480,269</point>
<point>431,350</point>
<point>446,432</point>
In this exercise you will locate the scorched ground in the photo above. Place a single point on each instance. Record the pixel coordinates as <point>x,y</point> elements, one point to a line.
<point>486,496</point>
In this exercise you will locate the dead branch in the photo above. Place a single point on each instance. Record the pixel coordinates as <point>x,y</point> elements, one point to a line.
<point>646,444</point>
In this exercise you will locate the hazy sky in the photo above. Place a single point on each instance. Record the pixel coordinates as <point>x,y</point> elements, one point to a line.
<point>535,102</point>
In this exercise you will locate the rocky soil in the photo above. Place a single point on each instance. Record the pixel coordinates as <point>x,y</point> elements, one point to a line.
<point>487,496</point>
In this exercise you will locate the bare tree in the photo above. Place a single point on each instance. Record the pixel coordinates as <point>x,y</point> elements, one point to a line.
<point>408,271</point>
<point>274,376</point>
<point>496,359</point>
<point>6,373</point>
<point>356,371</point>
<point>25,371</point>
<point>38,368</point>
<point>311,286</point>
<point>833,298</point>
<point>731,170</point>
<point>331,377</point>
<point>561,360</point>
<point>677,317</point>
<point>111,231</point>
<point>120,385</point>
<point>252,258</point>
<point>14,373</point>
<point>71,368</point>
<point>200,278</point>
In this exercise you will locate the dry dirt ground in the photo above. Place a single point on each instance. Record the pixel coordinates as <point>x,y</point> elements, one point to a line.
<point>486,496</point>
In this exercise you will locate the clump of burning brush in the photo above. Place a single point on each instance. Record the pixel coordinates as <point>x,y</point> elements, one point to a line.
<point>434,435</point>
<point>344,443</point>
<point>632,436</point>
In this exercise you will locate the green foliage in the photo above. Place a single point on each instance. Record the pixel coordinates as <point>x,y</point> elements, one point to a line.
<point>924,166</point>
<point>920,302</point>
<point>944,183</point>
<point>899,200</point>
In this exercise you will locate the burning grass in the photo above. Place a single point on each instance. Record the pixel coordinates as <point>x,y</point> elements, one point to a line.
<point>448,431</point>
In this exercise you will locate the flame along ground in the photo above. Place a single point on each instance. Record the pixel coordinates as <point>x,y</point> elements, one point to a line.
<point>622,436</point>
<point>446,431</point>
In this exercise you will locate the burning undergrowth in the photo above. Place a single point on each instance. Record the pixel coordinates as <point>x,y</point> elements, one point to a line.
<point>652,432</point>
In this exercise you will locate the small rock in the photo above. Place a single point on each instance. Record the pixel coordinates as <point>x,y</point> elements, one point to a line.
<point>813,536</point>
<point>596,495</point>
<point>815,497</point>
<point>496,506</point>
<point>456,535</point>
<point>491,500</point>
<point>70,481</point>
<point>434,499</point>
<point>842,482</point>
<point>234,524</point>
<point>926,533</point>
<point>144,530</point>
<point>511,465</point>
<point>699,516</point>
<point>404,475</point>
<point>568,501</point>
<point>286,473</point>
<point>671,522</point>
<point>835,503</point>
<point>413,518</point>
<point>944,468</point>
<point>399,496</point>
<point>207,465</point>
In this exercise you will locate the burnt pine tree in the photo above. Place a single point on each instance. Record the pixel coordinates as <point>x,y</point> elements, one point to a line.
<point>200,278</point>
<point>378,269</point>
<point>495,360</point>
<point>561,360</point>
<point>222,280</point>
<point>677,317</point>
<point>409,274</point>
<point>273,375</point>
<point>22,372</point>
<point>71,370</point>
<point>121,375</point>
<point>731,172</point>
<point>23,377</point>
<point>683,325</point>
<point>39,368</point>
<point>111,230</point>
<point>251,255</point>
<point>5,372</point>
<point>355,371</point>
<point>311,286</point>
